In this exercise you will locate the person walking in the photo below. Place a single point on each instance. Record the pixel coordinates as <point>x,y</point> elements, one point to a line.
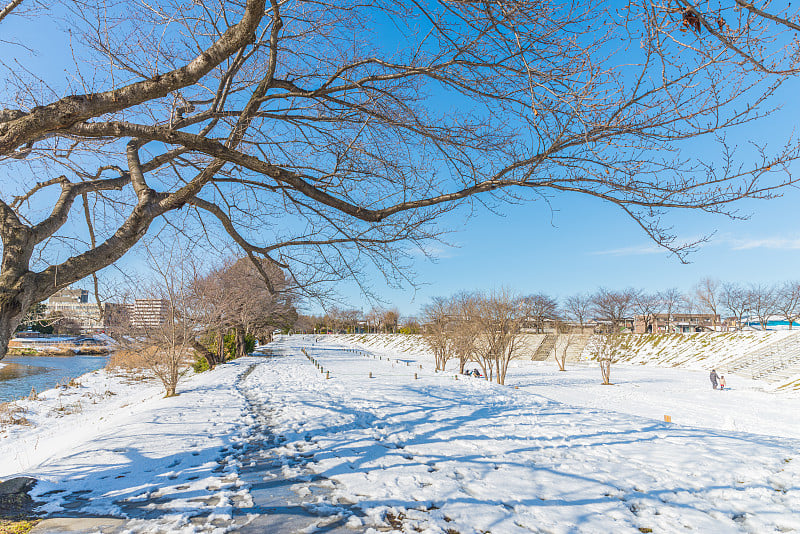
<point>713,378</point>
<point>721,383</point>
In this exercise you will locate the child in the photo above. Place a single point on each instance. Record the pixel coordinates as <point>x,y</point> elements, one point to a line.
<point>721,383</point>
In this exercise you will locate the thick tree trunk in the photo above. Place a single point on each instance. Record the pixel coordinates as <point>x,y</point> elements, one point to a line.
<point>241,347</point>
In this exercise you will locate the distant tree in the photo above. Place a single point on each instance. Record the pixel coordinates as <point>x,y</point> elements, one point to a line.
<point>647,306</point>
<point>763,304</point>
<point>244,299</point>
<point>578,308</point>
<point>500,317</point>
<point>670,301</point>
<point>707,293</point>
<point>736,300</point>
<point>304,324</point>
<point>438,318</point>
<point>373,319</point>
<point>390,320</point>
<point>410,325</point>
<point>541,308</point>
<point>36,320</point>
<point>613,307</point>
<point>787,302</point>
<point>466,329</point>
<point>62,325</point>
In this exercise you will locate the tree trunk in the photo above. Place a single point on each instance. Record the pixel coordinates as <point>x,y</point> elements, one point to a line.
<point>239,337</point>
<point>14,302</point>
<point>220,346</point>
<point>204,352</point>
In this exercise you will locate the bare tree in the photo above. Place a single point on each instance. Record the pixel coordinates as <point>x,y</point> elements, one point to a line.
<point>438,318</point>
<point>243,116</point>
<point>240,300</point>
<point>787,302</point>
<point>560,348</point>
<point>736,300</point>
<point>501,315</point>
<point>762,303</point>
<point>390,319</point>
<point>163,346</point>
<point>605,348</point>
<point>760,38</point>
<point>542,308</point>
<point>707,294</point>
<point>613,307</point>
<point>647,306</point>
<point>578,308</point>
<point>670,302</point>
<point>373,319</point>
<point>466,328</point>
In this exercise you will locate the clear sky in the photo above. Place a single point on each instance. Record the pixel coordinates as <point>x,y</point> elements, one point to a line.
<point>577,244</point>
<point>587,244</point>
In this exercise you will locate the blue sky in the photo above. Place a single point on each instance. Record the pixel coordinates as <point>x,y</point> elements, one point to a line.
<point>587,244</point>
<point>577,244</point>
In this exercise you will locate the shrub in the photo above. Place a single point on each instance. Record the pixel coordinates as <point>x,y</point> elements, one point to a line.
<point>200,364</point>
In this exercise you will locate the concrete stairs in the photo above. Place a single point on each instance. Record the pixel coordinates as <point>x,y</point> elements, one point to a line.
<point>775,362</point>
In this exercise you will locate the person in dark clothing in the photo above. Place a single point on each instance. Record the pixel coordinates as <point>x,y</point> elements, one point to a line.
<point>713,378</point>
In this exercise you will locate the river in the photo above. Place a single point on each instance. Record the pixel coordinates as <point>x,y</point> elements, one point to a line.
<point>18,374</point>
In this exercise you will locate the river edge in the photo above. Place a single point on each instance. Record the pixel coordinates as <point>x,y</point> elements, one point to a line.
<point>19,375</point>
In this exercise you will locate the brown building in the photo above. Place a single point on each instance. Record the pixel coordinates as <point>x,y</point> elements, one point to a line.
<point>149,313</point>
<point>676,322</point>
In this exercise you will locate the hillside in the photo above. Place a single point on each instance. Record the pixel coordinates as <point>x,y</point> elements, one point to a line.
<point>772,357</point>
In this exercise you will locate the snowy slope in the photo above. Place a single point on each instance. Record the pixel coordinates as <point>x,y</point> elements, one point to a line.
<point>689,351</point>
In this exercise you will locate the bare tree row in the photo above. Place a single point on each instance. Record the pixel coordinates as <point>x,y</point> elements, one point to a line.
<point>482,327</point>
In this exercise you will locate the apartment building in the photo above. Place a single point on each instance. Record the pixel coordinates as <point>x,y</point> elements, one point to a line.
<point>149,313</point>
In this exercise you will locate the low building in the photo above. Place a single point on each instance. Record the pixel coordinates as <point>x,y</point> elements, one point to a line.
<point>676,323</point>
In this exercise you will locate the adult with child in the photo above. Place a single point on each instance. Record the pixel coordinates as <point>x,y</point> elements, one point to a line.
<point>713,378</point>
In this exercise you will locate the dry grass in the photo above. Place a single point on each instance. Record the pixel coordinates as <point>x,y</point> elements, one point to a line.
<point>17,527</point>
<point>12,413</point>
<point>126,360</point>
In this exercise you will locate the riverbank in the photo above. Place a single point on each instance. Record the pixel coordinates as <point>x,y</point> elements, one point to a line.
<point>19,375</point>
<point>384,444</point>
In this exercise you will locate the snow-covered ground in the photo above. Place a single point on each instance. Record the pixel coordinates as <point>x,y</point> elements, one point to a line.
<point>433,454</point>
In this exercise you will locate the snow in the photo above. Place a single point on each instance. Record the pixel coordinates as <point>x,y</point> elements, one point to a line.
<point>549,452</point>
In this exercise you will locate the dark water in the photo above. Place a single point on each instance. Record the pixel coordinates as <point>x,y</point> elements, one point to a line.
<point>18,374</point>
